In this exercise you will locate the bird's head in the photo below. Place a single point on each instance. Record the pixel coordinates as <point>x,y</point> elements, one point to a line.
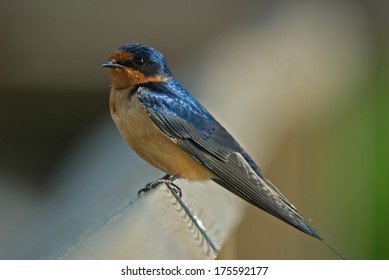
<point>136,64</point>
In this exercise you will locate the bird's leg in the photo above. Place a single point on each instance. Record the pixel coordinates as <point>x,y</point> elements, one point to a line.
<point>167,179</point>
<point>153,184</point>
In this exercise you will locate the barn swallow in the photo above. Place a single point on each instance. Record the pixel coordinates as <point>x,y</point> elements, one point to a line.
<point>166,126</point>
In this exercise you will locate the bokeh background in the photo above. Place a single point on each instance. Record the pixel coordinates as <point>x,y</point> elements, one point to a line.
<point>303,85</point>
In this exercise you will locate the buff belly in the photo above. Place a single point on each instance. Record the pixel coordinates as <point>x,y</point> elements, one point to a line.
<point>148,141</point>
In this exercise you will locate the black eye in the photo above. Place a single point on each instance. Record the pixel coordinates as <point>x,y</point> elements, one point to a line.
<point>139,61</point>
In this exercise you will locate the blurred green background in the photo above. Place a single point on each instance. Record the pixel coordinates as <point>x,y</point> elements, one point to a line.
<point>320,72</point>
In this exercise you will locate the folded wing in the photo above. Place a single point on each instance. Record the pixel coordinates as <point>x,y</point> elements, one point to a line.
<point>190,125</point>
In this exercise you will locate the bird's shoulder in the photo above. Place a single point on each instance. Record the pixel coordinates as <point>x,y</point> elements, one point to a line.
<point>170,103</point>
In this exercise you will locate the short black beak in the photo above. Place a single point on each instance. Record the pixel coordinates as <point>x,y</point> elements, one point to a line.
<point>111,64</point>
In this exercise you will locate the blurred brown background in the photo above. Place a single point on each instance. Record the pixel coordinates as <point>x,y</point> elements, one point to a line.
<point>303,85</point>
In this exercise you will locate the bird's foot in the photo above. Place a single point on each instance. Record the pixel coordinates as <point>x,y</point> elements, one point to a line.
<point>167,179</point>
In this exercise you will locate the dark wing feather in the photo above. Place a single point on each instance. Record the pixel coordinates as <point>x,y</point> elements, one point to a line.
<point>190,125</point>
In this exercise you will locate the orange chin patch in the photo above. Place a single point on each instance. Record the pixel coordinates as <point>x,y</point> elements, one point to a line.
<point>126,78</point>
<point>139,78</point>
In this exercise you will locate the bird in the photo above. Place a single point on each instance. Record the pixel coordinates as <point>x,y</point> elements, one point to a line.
<point>167,127</point>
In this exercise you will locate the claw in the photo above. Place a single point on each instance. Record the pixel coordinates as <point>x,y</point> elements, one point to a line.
<point>176,189</point>
<point>167,179</point>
